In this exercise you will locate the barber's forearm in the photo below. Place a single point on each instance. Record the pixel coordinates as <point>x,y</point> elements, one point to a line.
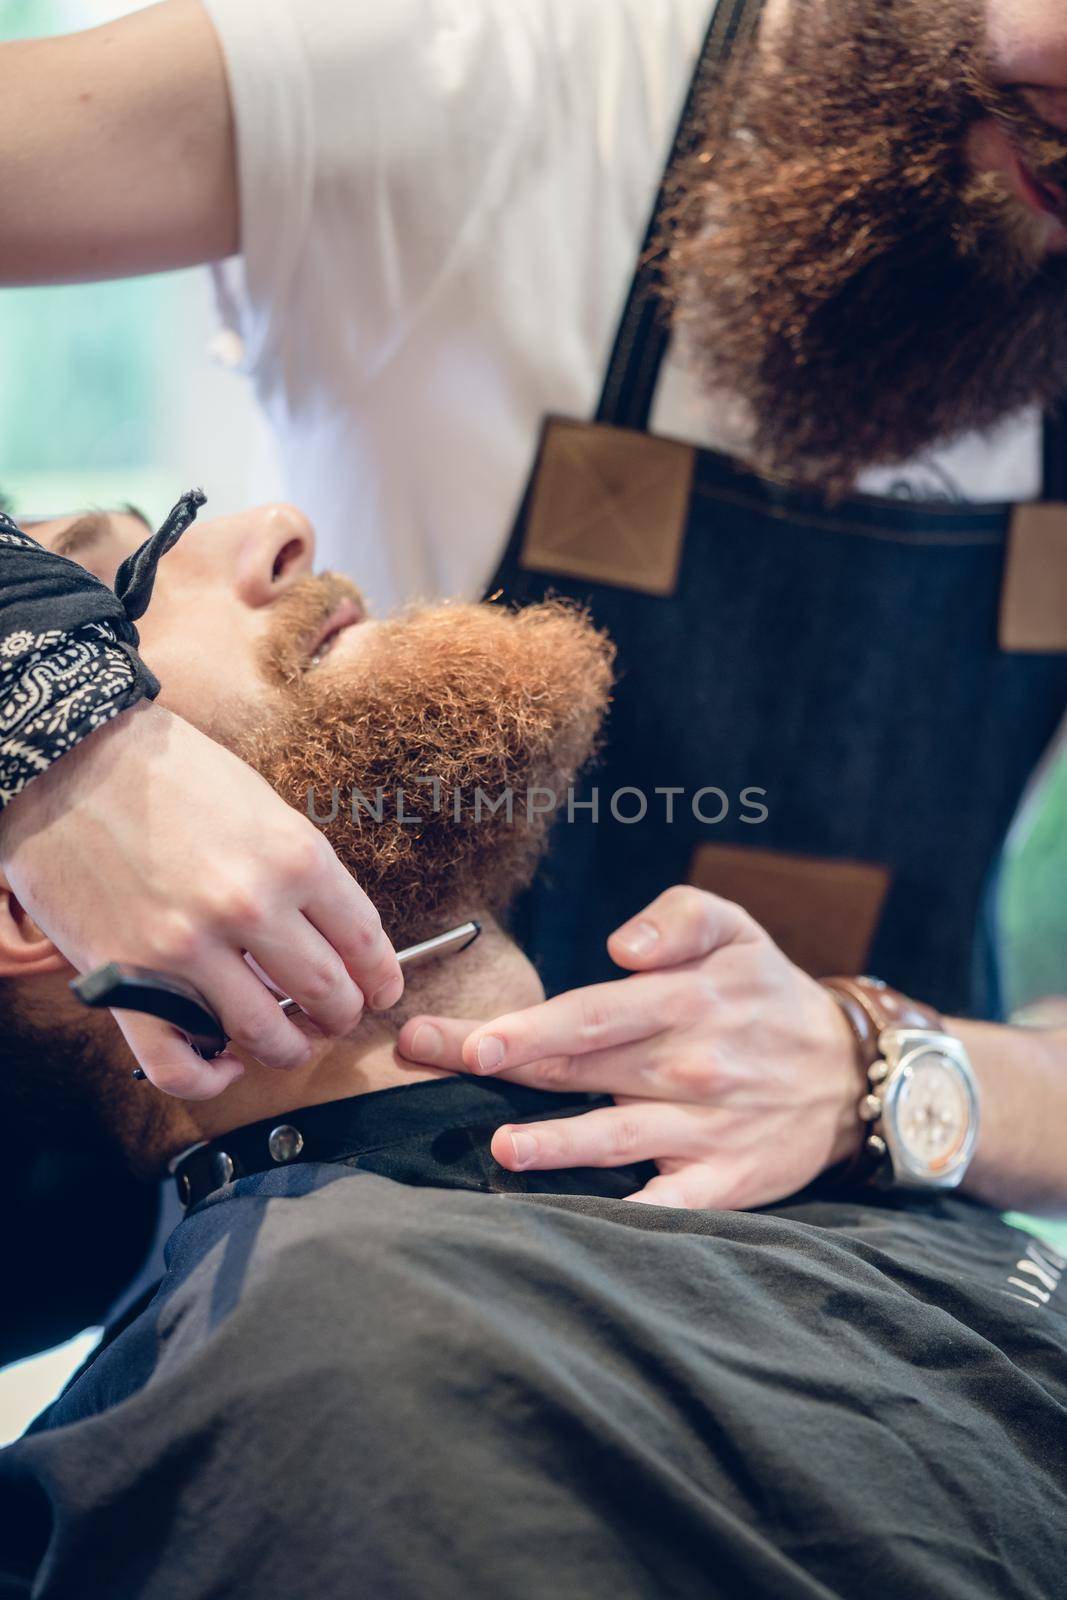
<point>118,155</point>
<point>1021,1159</point>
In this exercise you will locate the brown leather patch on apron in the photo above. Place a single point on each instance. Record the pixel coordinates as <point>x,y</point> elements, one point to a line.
<point>610,505</point>
<point>1033,610</point>
<point>822,914</point>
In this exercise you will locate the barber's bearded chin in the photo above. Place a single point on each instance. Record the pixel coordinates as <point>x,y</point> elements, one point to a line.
<point>418,715</point>
<point>839,265</point>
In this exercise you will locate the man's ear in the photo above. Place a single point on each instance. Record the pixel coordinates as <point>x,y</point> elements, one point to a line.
<point>25,952</point>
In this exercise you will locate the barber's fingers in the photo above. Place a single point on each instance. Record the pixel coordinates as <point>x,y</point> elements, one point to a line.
<point>723,1176</point>
<point>170,1064</point>
<point>250,1015</point>
<point>347,921</point>
<point>647,1069</point>
<point>682,924</point>
<point>666,1190</point>
<point>611,1137</point>
<point>305,967</point>
<point>577,1023</point>
<point>692,1186</point>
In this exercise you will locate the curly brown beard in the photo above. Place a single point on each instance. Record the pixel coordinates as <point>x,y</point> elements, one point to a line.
<point>834,261</point>
<point>436,702</point>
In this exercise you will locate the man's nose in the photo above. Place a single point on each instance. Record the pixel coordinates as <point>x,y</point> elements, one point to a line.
<point>275,551</point>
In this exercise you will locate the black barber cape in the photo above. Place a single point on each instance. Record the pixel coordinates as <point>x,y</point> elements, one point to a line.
<point>411,1374</point>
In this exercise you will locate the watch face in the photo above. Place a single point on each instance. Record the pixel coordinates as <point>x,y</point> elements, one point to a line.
<point>933,1112</point>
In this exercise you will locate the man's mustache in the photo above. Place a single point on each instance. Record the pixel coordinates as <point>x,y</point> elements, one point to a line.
<point>297,620</point>
<point>1042,143</point>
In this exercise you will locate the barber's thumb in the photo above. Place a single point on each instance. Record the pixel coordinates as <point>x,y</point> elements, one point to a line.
<point>169,1063</point>
<point>682,924</point>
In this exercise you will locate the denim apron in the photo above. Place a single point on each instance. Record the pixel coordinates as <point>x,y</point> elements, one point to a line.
<point>815,713</point>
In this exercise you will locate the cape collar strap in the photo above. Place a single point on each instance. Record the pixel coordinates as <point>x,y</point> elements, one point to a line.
<point>341,1130</point>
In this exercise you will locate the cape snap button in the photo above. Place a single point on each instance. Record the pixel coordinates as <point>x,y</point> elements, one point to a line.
<point>285,1143</point>
<point>221,1168</point>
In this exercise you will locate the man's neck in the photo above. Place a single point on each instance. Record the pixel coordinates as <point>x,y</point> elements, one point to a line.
<point>491,977</point>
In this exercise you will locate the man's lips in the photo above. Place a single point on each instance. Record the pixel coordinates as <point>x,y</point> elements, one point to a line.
<point>1040,194</point>
<point>1046,200</point>
<point>347,614</point>
<point>992,148</point>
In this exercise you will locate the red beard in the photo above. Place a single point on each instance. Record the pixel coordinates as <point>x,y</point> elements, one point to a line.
<point>439,702</point>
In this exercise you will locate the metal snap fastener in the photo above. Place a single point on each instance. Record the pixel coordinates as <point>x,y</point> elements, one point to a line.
<point>221,1168</point>
<point>285,1143</point>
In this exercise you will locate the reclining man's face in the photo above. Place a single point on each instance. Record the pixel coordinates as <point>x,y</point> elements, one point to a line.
<point>870,246</point>
<point>416,715</point>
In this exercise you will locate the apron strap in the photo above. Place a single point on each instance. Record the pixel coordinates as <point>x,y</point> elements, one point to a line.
<point>644,335</point>
<point>1055,465</point>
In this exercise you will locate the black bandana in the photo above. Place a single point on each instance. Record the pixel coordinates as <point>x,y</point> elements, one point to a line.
<point>68,645</point>
<point>125,603</point>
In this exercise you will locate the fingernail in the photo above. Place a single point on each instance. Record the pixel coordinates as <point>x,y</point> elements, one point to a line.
<point>525,1147</point>
<point>638,938</point>
<point>388,994</point>
<point>490,1053</point>
<point>427,1044</point>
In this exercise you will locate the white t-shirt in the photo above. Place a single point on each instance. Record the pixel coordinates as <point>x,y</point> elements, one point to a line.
<point>442,205</point>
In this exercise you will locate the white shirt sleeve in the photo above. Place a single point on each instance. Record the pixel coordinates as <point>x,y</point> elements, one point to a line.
<point>442,205</point>
<point>372,137</point>
<point>272,99</point>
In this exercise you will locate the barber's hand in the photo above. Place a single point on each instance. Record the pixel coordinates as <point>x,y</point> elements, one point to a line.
<point>732,1069</point>
<point>149,843</point>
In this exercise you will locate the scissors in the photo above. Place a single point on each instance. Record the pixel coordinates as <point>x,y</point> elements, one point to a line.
<point>118,987</point>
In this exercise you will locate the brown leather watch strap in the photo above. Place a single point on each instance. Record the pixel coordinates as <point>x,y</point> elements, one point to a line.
<point>871,1007</point>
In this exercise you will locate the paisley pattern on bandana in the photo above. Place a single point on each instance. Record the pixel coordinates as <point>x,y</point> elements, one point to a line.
<point>61,684</point>
<point>9,534</point>
<point>55,688</point>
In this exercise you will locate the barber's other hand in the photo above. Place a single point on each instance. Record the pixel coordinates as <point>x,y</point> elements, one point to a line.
<point>151,844</point>
<point>732,1070</point>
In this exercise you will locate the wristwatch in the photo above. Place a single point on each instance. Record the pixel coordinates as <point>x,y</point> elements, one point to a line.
<point>919,1116</point>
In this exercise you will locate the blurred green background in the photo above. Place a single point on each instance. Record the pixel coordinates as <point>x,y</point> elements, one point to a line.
<point>1034,894</point>
<point>112,392</point>
<point>80,413</point>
